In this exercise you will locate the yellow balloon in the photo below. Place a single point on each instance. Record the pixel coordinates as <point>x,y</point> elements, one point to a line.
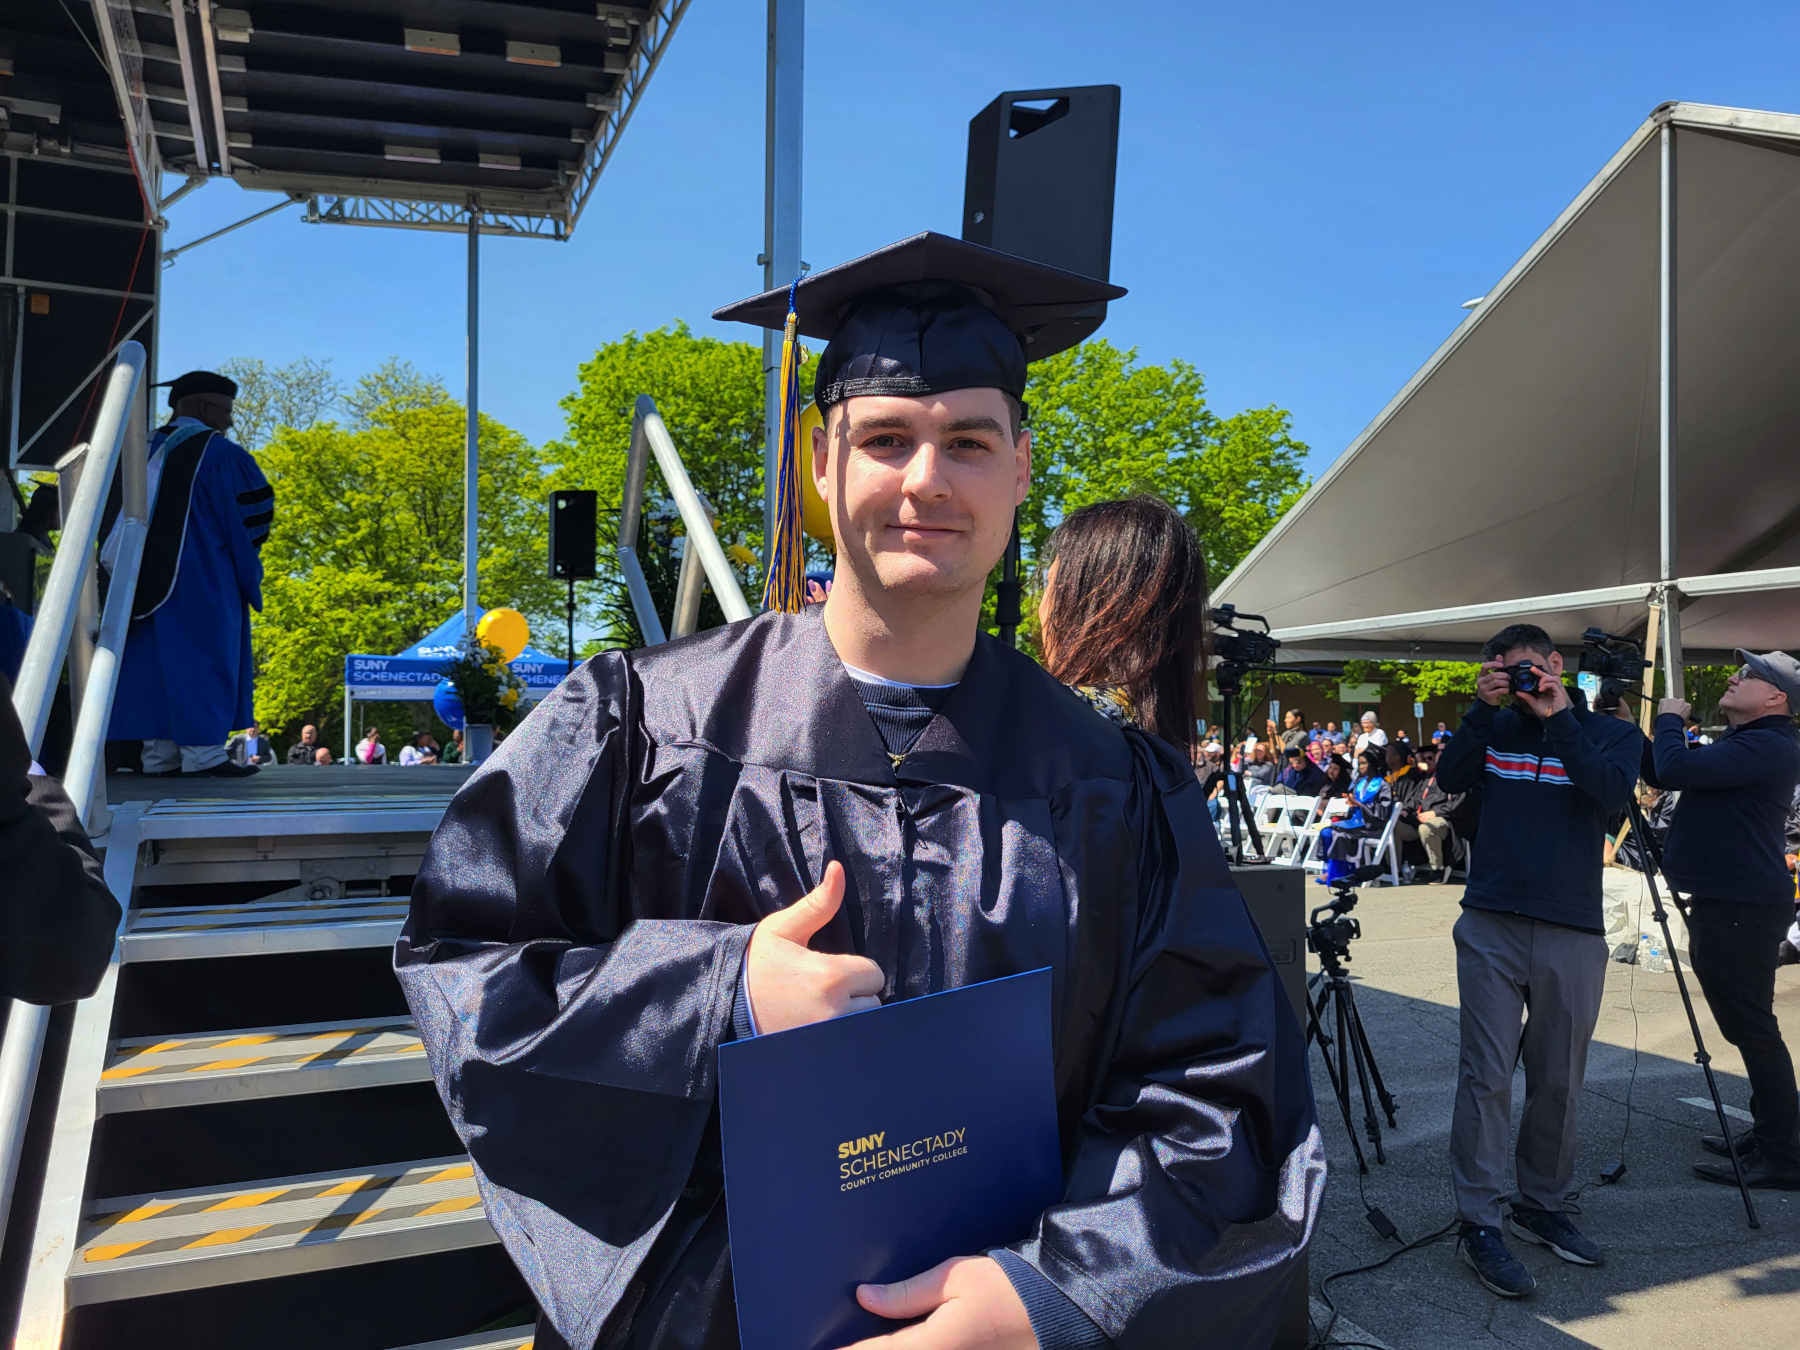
<point>505,629</point>
<point>815,516</point>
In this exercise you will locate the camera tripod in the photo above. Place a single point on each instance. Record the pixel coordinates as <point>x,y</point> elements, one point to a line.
<point>1652,852</point>
<point>1230,677</point>
<point>1331,1000</point>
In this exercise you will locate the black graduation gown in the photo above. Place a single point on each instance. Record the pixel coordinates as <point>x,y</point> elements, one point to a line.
<point>579,924</point>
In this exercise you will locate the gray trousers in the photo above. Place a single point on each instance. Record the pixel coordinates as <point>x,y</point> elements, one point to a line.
<point>1509,970</point>
<point>1435,834</point>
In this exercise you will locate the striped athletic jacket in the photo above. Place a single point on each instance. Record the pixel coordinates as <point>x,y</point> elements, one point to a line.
<point>1548,787</point>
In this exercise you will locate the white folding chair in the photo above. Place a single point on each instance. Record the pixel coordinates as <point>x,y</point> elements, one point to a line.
<point>1280,816</point>
<point>1383,848</point>
<point>1335,810</point>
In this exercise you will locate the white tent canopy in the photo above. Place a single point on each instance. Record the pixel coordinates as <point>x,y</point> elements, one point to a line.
<point>1618,418</point>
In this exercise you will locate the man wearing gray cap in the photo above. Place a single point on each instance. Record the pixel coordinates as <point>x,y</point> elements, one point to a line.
<point>1726,850</point>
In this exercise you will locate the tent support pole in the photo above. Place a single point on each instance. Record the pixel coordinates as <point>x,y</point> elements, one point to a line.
<point>782,127</point>
<point>349,745</point>
<point>471,450</point>
<point>1647,712</point>
<point>1666,409</point>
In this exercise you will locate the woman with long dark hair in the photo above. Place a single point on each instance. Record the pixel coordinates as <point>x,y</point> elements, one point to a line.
<point>1372,802</point>
<point>1123,613</point>
<point>1338,777</point>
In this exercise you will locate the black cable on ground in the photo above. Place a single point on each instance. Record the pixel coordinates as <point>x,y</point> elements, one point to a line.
<point>1325,1284</point>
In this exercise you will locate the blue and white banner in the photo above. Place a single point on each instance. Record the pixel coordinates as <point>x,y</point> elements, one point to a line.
<point>414,673</point>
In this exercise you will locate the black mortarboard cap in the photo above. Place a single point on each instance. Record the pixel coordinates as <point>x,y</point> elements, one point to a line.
<point>200,382</point>
<point>928,315</point>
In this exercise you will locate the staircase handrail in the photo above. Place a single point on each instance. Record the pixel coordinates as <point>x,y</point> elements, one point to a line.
<point>119,442</point>
<point>650,438</point>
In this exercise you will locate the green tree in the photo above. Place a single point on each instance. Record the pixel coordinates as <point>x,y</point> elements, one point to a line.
<point>710,395</point>
<point>296,395</point>
<point>366,553</point>
<point>1105,426</point>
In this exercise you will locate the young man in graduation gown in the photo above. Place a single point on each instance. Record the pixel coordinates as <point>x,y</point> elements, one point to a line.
<point>185,680</point>
<point>801,815</point>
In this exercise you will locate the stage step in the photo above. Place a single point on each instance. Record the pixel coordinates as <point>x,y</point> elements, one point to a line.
<point>149,1073</point>
<point>518,1338</point>
<point>137,1246</point>
<point>194,932</point>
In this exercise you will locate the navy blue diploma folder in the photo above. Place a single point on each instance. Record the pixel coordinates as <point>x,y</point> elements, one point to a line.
<point>870,1148</point>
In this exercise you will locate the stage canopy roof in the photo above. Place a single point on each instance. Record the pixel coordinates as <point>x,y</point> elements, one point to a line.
<point>379,112</point>
<point>1519,474</point>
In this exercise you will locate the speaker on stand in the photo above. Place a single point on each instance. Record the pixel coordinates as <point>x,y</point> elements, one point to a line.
<point>574,515</point>
<point>1041,169</point>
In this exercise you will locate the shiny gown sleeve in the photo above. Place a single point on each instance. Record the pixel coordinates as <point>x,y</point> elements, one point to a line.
<point>572,1023</point>
<point>1197,1172</point>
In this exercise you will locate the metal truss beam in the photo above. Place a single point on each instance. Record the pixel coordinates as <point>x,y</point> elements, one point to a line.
<point>647,50</point>
<point>450,217</point>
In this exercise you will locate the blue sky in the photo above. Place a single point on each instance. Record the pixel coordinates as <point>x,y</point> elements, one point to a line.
<point>1306,193</point>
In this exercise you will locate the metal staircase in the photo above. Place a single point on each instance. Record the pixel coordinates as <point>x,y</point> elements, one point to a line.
<point>248,1148</point>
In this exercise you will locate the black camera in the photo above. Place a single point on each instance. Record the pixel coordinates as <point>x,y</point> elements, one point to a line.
<point>1525,678</point>
<point>1330,937</point>
<point>1235,647</point>
<point>1618,661</point>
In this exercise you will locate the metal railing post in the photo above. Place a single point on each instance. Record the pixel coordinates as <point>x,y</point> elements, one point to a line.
<point>693,513</point>
<point>37,681</point>
<point>23,1048</point>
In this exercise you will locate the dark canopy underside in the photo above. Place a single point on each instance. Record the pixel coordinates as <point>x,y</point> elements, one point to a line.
<point>1535,429</point>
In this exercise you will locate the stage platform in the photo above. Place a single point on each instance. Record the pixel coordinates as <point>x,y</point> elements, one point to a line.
<point>294,783</point>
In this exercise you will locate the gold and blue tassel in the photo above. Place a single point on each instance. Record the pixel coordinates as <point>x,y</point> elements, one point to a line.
<point>784,588</point>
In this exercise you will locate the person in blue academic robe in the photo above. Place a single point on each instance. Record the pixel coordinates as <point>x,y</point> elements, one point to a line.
<point>185,681</point>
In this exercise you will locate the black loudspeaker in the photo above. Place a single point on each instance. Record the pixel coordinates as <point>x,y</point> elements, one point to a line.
<point>1042,163</point>
<point>573,515</point>
<point>1276,898</point>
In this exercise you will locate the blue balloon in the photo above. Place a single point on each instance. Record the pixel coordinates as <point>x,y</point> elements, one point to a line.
<point>448,704</point>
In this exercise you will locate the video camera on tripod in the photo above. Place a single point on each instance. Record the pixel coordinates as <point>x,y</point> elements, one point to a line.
<point>1329,938</point>
<point>1236,651</point>
<point>1618,661</point>
<point>1331,1007</point>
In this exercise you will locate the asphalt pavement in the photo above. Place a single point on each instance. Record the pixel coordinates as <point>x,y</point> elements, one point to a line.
<point>1683,1269</point>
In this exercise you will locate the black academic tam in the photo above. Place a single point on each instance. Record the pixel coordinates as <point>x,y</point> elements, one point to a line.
<point>928,315</point>
<point>578,930</point>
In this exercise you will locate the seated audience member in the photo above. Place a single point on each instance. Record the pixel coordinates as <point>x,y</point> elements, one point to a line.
<point>1371,733</point>
<point>1407,779</point>
<point>1123,613</point>
<point>1441,735</point>
<point>306,749</point>
<point>250,746</point>
<point>1212,778</point>
<point>321,756</point>
<point>1338,777</point>
<point>1301,776</point>
<point>453,752</point>
<point>1260,773</point>
<point>1374,803</point>
<point>370,750</point>
<point>419,749</point>
<point>1446,821</point>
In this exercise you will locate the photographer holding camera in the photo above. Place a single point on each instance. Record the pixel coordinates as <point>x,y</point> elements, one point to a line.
<point>1530,934</point>
<point>1725,849</point>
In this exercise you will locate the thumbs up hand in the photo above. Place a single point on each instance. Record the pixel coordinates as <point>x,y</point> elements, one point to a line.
<point>793,986</point>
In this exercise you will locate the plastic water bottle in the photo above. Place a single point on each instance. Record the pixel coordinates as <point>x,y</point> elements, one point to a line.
<point>1643,951</point>
<point>1657,963</point>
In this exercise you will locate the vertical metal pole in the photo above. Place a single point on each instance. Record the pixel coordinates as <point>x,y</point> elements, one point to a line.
<point>784,120</point>
<point>1666,411</point>
<point>471,449</point>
